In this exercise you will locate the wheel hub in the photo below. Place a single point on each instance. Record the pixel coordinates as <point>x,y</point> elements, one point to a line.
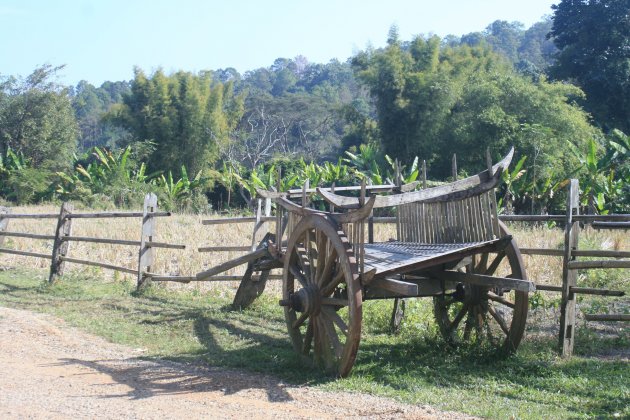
<point>306,300</point>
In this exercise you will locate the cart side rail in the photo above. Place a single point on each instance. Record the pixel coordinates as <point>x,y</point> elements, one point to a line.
<point>457,190</point>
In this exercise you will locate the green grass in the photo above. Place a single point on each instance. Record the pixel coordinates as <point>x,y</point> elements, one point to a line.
<point>414,366</point>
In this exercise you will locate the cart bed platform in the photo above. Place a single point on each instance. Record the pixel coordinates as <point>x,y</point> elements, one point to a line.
<point>399,257</point>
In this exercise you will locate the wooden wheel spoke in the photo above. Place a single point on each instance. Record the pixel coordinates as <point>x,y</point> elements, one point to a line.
<point>308,338</point>
<point>336,318</point>
<point>483,264</point>
<point>327,268</point>
<point>298,275</point>
<point>304,262</point>
<point>500,299</point>
<point>323,344</point>
<point>333,337</point>
<point>495,263</point>
<point>468,325</point>
<point>499,319</point>
<point>322,255</point>
<point>334,302</point>
<point>328,288</point>
<point>479,321</point>
<point>458,318</point>
<point>298,322</point>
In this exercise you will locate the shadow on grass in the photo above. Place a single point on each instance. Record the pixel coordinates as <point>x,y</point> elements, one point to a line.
<point>256,340</point>
<point>532,377</point>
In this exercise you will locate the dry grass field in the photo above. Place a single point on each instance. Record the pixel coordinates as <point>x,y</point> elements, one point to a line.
<point>188,230</point>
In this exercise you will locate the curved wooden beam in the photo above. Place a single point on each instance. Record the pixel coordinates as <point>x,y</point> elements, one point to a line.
<point>349,217</point>
<point>269,194</point>
<point>458,190</point>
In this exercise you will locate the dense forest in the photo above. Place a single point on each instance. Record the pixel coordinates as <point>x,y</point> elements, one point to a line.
<point>559,91</point>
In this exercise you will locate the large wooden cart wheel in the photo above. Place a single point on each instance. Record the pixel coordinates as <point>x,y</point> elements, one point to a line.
<point>322,295</point>
<point>486,315</point>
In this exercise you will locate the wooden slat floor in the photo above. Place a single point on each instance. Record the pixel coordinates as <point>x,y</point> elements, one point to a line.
<point>395,256</point>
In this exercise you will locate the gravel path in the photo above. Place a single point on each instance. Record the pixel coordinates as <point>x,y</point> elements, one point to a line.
<point>49,370</point>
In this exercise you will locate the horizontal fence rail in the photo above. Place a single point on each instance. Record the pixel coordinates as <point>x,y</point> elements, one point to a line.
<point>25,253</point>
<point>104,215</point>
<point>62,237</point>
<point>27,235</point>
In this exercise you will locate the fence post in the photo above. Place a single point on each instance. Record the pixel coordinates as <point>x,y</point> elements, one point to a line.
<point>60,247</point>
<point>569,276</point>
<point>4,222</point>
<point>146,255</point>
<point>260,225</point>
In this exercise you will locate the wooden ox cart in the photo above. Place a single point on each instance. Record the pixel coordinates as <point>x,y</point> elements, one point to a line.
<point>450,246</point>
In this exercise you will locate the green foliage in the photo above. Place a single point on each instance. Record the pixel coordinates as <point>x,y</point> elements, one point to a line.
<point>90,106</point>
<point>593,37</point>
<point>433,100</point>
<point>187,116</point>
<point>180,195</point>
<point>37,120</point>
<point>113,174</point>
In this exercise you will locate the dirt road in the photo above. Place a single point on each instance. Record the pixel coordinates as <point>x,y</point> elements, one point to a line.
<point>49,370</point>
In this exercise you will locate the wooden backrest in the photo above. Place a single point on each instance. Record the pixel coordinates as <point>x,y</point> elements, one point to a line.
<point>470,219</point>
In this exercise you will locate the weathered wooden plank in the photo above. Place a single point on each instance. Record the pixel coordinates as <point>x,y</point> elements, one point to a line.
<point>596,291</point>
<point>548,288</point>
<point>30,216</point>
<point>228,220</point>
<point>607,317</point>
<point>100,240</point>
<point>348,217</point>
<point>223,248</point>
<point>232,263</point>
<point>611,225</point>
<point>460,189</point>
<point>153,244</point>
<point>27,235</point>
<point>490,281</point>
<point>531,218</point>
<point>577,252</point>
<point>60,247</point>
<point>105,215</point>
<point>24,253</point>
<point>4,222</point>
<point>146,254</point>
<point>583,265</point>
<point>99,264</point>
<point>569,276</point>
<point>399,287</point>
<point>561,218</point>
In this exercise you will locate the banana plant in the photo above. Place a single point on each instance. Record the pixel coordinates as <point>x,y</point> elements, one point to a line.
<point>407,175</point>
<point>509,179</point>
<point>170,192</point>
<point>13,162</point>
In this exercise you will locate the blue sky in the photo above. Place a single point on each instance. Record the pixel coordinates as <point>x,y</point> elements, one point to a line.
<point>102,40</point>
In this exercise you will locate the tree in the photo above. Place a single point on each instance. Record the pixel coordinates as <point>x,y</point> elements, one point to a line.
<point>594,41</point>
<point>36,119</point>
<point>187,116</point>
<point>434,100</point>
<point>91,105</point>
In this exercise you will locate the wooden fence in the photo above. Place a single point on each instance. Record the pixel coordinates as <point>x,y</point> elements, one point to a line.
<point>63,237</point>
<point>570,253</point>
